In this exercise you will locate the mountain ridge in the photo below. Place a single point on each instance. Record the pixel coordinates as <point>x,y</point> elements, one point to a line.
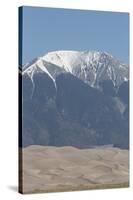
<point>60,108</point>
<point>92,67</point>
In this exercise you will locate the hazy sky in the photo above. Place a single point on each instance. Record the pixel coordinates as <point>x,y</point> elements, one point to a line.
<point>47,29</point>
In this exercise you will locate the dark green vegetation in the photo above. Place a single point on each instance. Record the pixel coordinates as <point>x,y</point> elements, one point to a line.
<point>74,113</point>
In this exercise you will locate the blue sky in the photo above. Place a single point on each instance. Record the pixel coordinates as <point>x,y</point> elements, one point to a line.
<point>47,29</point>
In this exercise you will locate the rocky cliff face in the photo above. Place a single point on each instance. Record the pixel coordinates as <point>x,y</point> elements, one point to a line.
<point>75,98</point>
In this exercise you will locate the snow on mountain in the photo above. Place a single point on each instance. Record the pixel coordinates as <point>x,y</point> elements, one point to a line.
<point>90,66</point>
<point>37,67</point>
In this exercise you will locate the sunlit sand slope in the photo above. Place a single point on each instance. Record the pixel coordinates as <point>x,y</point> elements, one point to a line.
<point>51,169</point>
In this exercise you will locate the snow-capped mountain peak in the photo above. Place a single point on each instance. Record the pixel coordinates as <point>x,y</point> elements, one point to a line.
<point>37,67</point>
<point>90,66</point>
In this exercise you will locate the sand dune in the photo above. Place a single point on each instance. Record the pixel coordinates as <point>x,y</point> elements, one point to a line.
<point>47,169</point>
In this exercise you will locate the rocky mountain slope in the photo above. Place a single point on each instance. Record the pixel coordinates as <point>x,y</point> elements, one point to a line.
<point>91,67</point>
<point>75,99</point>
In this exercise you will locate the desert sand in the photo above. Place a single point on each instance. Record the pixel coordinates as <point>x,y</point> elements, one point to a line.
<point>52,169</point>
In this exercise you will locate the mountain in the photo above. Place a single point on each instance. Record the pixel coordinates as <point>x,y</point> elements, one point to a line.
<point>76,99</point>
<point>91,67</point>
